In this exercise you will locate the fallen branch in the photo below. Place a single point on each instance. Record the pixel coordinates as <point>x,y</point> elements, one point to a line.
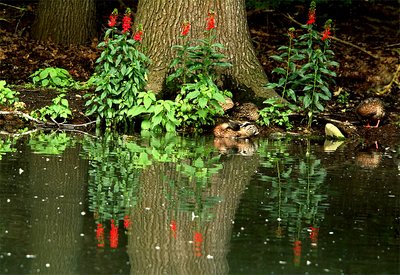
<point>44,124</point>
<point>336,39</point>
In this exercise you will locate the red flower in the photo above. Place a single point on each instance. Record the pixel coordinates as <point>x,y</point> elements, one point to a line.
<point>326,34</point>
<point>126,21</point>
<point>113,235</point>
<point>210,21</point>
<point>100,235</point>
<point>185,28</point>
<point>327,30</point>
<point>311,14</point>
<point>138,36</point>
<point>113,18</point>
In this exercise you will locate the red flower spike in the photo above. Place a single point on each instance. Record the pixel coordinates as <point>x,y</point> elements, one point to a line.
<point>311,14</point>
<point>185,28</point>
<point>210,21</point>
<point>113,18</point>
<point>126,21</point>
<point>173,226</point>
<point>314,235</point>
<point>138,36</point>
<point>198,239</point>
<point>327,30</point>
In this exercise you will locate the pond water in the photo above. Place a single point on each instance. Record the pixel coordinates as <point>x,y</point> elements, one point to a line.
<point>194,205</point>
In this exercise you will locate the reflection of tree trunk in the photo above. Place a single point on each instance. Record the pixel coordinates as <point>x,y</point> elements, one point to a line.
<point>152,247</point>
<point>57,189</point>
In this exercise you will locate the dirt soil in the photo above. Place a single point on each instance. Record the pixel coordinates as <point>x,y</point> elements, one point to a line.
<point>365,69</point>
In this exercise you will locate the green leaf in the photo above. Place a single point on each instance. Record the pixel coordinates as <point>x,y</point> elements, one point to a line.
<point>203,102</point>
<point>277,58</point>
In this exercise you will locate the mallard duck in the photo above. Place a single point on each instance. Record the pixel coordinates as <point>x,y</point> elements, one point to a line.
<point>246,111</point>
<point>235,129</point>
<point>371,110</point>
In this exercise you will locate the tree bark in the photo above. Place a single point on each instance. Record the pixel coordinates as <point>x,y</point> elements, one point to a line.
<point>162,20</point>
<point>65,22</point>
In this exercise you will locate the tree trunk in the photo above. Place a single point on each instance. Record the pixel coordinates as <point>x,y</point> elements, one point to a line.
<point>162,20</point>
<point>65,22</point>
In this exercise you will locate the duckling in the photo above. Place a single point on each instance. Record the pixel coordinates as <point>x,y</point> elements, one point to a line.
<point>246,111</point>
<point>371,109</point>
<point>229,146</point>
<point>235,129</point>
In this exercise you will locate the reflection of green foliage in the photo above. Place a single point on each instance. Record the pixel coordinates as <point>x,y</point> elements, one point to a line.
<point>296,189</point>
<point>6,146</point>
<point>117,163</point>
<point>50,144</point>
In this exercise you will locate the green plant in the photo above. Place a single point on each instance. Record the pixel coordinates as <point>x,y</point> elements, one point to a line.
<point>59,109</point>
<point>50,144</point>
<point>199,57</point>
<point>156,114</point>
<point>53,78</point>
<point>7,96</point>
<point>198,103</point>
<point>307,73</point>
<point>275,113</point>
<point>121,74</point>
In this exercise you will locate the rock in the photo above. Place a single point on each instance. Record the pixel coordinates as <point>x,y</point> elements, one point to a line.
<point>333,132</point>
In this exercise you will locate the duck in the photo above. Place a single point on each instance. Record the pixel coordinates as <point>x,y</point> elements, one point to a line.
<point>247,111</point>
<point>229,146</point>
<point>235,129</point>
<point>371,110</point>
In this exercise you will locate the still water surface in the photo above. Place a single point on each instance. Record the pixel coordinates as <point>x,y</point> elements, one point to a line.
<point>183,205</point>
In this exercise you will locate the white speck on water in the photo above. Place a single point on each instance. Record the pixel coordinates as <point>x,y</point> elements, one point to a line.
<point>8,200</point>
<point>210,257</point>
<point>83,213</point>
<point>232,222</point>
<point>35,197</point>
<point>8,254</point>
<point>6,231</point>
<point>44,168</point>
<point>47,265</point>
<point>147,208</point>
<point>279,219</point>
<point>282,262</point>
<point>308,262</point>
<point>80,203</point>
<point>242,228</point>
<point>47,159</point>
<point>266,220</point>
<point>61,196</point>
<point>158,247</point>
<point>20,171</point>
<point>82,234</point>
<point>391,196</point>
<point>330,232</point>
<point>30,256</point>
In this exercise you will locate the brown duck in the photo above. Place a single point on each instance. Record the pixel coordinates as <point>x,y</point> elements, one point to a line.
<point>235,129</point>
<point>371,110</point>
<point>246,111</point>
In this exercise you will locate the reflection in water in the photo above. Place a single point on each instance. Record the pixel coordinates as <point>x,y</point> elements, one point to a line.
<point>175,205</point>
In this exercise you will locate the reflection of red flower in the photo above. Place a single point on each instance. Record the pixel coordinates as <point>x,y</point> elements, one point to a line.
<point>314,235</point>
<point>210,21</point>
<point>173,228</point>
<point>297,252</point>
<point>127,221</point>
<point>198,239</point>
<point>113,235</point>
<point>100,235</point>
<point>185,28</point>
<point>138,36</point>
